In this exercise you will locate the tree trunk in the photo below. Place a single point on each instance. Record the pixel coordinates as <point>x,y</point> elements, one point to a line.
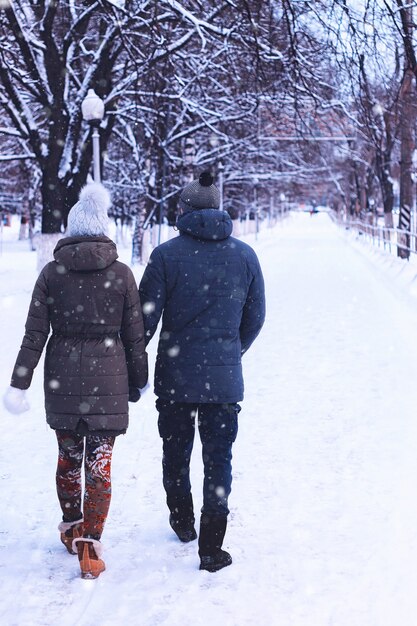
<point>406,172</point>
<point>137,240</point>
<point>45,246</point>
<point>53,198</point>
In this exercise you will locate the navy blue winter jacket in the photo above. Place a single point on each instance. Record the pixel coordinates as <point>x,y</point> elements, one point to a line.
<point>209,289</point>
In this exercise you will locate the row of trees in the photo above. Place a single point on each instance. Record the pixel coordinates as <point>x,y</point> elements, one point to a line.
<point>374,59</point>
<point>314,100</point>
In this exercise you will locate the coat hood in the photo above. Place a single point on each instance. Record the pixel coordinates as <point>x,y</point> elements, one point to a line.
<point>85,254</point>
<point>209,224</point>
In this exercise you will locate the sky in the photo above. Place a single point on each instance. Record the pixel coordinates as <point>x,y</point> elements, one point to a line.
<point>323,522</point>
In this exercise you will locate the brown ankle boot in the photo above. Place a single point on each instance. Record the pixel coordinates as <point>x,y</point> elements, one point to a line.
<point>89,553</point>
<point>70,531</point>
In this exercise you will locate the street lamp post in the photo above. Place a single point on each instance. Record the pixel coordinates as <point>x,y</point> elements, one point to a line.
<point>92,108</point>
<point>221,170</point>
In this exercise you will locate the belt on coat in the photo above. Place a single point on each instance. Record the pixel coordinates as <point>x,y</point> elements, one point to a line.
<point>89,335</point>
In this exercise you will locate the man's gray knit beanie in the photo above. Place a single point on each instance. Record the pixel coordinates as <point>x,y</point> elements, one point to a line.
<point>89,216</point>
<point>200,194</point>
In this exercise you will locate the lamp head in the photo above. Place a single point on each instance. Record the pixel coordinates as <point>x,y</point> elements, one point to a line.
<point>92,107</point>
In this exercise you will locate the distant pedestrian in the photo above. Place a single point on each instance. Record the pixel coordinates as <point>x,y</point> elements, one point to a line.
<point>95,361</point>
<point>209,290</point>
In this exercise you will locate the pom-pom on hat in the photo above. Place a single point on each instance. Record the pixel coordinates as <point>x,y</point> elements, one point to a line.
<point>89,216</point>
<point>200,194</point>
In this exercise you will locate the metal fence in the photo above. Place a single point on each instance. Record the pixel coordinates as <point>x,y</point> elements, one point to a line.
<point>394,240</point>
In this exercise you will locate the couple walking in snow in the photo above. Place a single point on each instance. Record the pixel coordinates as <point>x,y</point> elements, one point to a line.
<point>208,289</point>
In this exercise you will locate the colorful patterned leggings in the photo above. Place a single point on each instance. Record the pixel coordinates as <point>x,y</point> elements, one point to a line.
<point>97,466</point>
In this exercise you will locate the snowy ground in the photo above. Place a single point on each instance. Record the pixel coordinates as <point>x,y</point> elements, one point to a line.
<point>323,524</point>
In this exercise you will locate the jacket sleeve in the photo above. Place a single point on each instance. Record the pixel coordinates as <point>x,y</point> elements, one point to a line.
<point>253,315</point>
<point>133,335</point>
<point>36,333</point>
<point>152,291</point>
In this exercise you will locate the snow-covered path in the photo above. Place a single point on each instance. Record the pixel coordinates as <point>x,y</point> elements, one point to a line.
<point>323,525</point>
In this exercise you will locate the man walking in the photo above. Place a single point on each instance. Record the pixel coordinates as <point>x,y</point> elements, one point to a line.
<point>209,290</point>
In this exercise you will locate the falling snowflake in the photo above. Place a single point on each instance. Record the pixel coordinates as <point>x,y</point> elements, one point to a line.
<point>148,307</point>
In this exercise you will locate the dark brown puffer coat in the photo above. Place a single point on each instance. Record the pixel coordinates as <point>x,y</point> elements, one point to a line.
<point>97,349</point>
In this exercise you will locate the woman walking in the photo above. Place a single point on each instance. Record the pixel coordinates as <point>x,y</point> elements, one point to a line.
<point>95,362</point>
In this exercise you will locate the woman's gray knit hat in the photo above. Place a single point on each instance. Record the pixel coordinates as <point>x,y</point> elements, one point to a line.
<point>200,194</point>
<point>89,216</point>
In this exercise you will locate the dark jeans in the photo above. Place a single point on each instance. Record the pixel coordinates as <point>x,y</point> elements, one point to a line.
<point>218,425</point>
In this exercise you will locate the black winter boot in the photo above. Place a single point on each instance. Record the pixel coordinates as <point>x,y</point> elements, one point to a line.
<point>184,529</point>
<point>182,519</point>
<point>212,531</point>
